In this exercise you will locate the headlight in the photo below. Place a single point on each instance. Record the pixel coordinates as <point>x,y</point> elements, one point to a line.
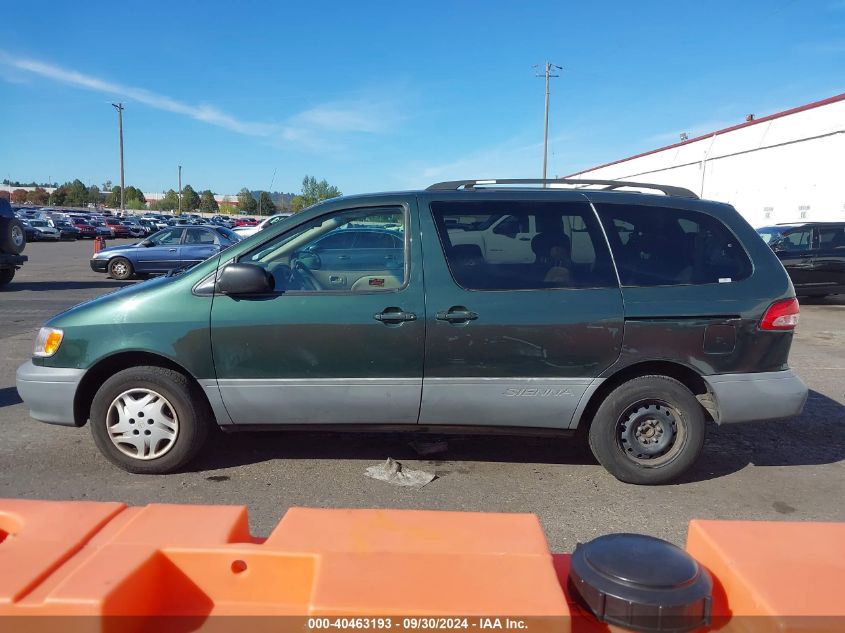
<point>47,342</point>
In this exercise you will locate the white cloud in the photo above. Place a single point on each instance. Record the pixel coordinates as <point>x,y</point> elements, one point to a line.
<point>512,158</point>
<point>316,128</point>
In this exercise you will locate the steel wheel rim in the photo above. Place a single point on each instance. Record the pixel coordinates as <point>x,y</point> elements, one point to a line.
<point>119,269</point>
<point>17,235</point>
<point>651,433</point>
<point>142,424</point>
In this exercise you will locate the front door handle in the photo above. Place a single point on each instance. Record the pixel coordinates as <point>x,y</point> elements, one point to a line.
<point>456,314</point>
<point>394,316</point>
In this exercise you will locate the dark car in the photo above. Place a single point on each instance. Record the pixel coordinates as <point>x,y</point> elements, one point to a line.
<point>13,238</point>
<point>637,321</point>
<point>813,254</point>
<point>68,231</point>
<point>172,248</point>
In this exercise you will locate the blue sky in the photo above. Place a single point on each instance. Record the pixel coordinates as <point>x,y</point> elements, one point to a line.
<point>389,95</point>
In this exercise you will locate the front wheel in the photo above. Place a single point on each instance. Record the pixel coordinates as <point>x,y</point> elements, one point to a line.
<point>120,268</point>
<point>649,430</point>
<point>149,420</point>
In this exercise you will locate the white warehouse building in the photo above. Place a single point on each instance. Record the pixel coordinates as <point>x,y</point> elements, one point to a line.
<point>785,167</point>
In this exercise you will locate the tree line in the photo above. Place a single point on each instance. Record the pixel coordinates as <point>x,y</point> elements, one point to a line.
<point>76,194</point>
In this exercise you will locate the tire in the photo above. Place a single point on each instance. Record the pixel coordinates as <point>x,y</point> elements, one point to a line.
<point>120,268</point>
<point>6,276</point>
<point>649,430</point>
<point>12,236</point>
<point>163,450</point>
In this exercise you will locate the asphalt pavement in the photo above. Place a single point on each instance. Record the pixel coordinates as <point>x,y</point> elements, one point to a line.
<point>786,470</point>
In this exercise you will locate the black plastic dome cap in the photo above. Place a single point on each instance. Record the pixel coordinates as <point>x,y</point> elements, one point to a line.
<point>641,583</point>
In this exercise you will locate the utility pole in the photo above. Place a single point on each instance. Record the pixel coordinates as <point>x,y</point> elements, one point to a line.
<point>547,74</point>
<point>180,190</point>
<point>119,108</point>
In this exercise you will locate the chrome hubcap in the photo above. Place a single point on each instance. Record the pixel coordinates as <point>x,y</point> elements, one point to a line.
<point>142,424</point>
<point>119,269</point>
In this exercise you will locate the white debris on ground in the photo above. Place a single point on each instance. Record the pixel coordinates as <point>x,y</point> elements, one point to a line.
<point>392,472</point>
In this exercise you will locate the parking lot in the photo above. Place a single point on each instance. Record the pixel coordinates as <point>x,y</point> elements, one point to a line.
<point>779,470</point>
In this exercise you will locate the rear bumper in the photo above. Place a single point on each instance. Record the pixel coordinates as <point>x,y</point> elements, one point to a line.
<point>755,397</point>
<point>49,392</point>
<point>99,265</point>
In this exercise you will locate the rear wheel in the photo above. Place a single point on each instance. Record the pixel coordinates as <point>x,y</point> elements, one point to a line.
<point>12,236</point>
<point>649,430</point>
<point>120,268</point>
<point>149,420</point>
<point>6,276</point>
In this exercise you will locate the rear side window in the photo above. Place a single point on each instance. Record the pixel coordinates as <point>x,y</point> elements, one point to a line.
<point>831,237</point>
<point>522,245</point>
<point>663,246</point>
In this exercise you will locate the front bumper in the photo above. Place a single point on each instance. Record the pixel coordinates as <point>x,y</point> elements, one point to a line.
<point>49,392</point>
<point>755,397</point>
<point>99,265</point>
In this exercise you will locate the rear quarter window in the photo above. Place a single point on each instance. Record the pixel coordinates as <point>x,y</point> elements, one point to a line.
<point>665,246</point>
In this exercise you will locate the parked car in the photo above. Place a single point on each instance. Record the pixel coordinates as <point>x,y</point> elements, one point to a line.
<point>119,228</point>
<point>12,243</point>
<point>246,231</point>
<point>149,225</point>
<point>102,229</point>
<point>640,318</point>
<point>29,231</point>
<point>172,248</point>
<point>813,254</point>
<point>68,231</point>
<point>43,230</point>
<point>85,229</point>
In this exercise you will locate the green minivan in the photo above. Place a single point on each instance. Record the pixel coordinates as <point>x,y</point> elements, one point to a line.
<point>630,318</point>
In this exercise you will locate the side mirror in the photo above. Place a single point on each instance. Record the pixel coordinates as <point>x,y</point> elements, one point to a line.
<point>244,279</point>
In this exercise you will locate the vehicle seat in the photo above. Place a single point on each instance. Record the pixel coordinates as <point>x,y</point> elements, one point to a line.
<point>553,258</point>
<point>468,265</point>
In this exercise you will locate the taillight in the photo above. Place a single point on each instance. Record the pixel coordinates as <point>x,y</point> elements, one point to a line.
<point>781,315</point>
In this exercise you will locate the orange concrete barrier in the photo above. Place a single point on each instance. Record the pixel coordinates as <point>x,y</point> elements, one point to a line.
<point>201,560</point>
<point>107,561</point>
<point>774,576</point>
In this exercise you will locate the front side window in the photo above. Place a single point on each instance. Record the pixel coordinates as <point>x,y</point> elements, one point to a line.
<point>796,241</point>
<point>663,246</point>
<point>169,237</point>
<point>542,245</point>
<point>361,250</point>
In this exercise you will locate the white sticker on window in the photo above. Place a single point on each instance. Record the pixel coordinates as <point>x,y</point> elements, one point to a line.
<point>725,280</point>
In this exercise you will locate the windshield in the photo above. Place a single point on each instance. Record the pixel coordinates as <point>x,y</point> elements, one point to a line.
<point>38,223</point>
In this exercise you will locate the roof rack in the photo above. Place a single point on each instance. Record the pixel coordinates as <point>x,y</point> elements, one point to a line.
<point>607,185</point>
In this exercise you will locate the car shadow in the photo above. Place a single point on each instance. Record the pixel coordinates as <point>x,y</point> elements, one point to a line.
<point>235,449</point>
<point>41,286</point>
<point>816,437</point>
<point>9,396</point>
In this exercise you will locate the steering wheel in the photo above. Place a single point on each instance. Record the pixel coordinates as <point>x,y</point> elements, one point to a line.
<point>301,278</point>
